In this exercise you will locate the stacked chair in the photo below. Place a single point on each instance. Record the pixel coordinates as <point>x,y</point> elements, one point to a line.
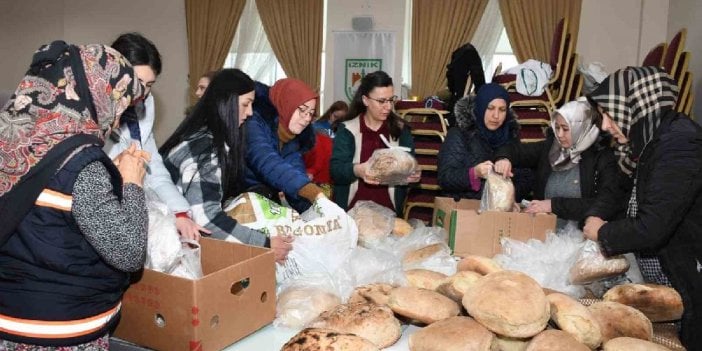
<point>675,61</point>
<point>534,112</point>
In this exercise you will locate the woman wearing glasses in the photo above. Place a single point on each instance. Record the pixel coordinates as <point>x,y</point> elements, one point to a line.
<point>279,132</point>
<point>371,116</point>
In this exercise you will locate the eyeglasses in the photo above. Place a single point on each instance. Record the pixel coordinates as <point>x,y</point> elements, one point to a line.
<point>306,111</point>
<point>391,100</point>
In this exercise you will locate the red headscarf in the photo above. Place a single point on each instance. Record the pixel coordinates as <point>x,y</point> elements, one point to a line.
<point>288,94</point>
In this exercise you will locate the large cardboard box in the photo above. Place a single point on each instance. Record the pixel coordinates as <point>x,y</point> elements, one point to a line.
<point>235,297</point>
<point>473,233</point>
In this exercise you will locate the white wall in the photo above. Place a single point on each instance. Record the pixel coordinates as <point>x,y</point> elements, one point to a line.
<point>686,14</point>
<point>25,25</point>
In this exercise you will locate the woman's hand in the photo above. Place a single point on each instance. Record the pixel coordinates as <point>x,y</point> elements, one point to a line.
<point>415,177</point>
<point>483,169</point>
<point>131,165</point>
<point>361,171</point>
<point>592,227</point>
<point>281,246</point>
<point>188,229</point>
<point>539,206</point>
<point>504,167</point>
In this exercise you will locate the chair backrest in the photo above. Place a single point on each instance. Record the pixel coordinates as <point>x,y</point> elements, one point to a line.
<point>672,54</point>
<point>558,42</point>
<point>655,55</point>
<point>577,87</point>
<point>569,80</point>
<point>685,92</point>
<point>681,68</point>
<point>498,70</point>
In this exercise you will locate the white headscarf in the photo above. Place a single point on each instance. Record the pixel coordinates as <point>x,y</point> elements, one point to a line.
<point>584,133</point>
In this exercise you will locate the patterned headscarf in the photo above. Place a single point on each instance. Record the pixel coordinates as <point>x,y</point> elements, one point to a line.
<point>583,133</point>
<point>635,98</point>
<point>485,95</point>
<point>68,90</point>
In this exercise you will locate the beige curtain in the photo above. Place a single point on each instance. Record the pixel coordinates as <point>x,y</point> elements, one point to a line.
<point>438,28</point>
<point>211,27</point>
<point>530,25</point>
<point>294,29</point>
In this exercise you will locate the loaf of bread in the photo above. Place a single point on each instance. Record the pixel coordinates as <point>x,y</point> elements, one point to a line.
<point>391,166</point>
<point>242,209</point>
<point>658,302</point>
<point>632,344</point>
<point>370,321</point>
<point>452,334</point>
<point>616,320</point>
<point>424,278</point>
<point>591,265</point>
<point>575,319</point>
<point>328,340</point>
<point>376,293</point>
<point>418,256</point>
<point>456,285</point>
<point>481,264</point>
<point>498,194</point>
<point>555,340</point>
<point>508,303</point>
<point>505,343</point>
<point>297,306</point>
<point>401,227</point>
<point>374,222</point>
<point>425,306</point>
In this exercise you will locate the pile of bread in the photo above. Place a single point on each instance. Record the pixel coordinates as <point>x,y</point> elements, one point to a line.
<point>483,307</point>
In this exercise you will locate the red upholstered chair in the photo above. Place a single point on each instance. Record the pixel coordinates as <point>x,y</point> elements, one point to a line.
<point>685,94</point>
<point>655,56</point>
<point>681,68</point>
<point>674,51</point>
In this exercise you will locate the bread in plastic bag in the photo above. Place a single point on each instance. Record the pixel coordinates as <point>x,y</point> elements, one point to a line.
<point>498,193</point>
<point>163,244</point>
<point>391,166</point>
<point>300,301</point>
<point>189,265</point>
<point>591,265</point>
<point>374,222</point>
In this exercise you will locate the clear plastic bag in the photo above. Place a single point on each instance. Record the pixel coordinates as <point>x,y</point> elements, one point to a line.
<point>369,266</point>
<point>189,265</point>
<point>163,244</point>
<point>392,166</point>
<point>498,193</point>
<point>591,265</point>
<point>303,299</point>
<point>374,222</point>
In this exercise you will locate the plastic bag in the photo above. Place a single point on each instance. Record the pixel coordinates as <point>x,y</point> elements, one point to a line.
<point>189,265</point>
<point>594,73</point>
<point>591,265</point>
<point>498,193</point>
<point>546,262</point>
<point>391,166</point>
<point>163,244</point>
<point>302,300</point>
<point>259,212</point>
<point>374,222</point>
<point>369,266</point>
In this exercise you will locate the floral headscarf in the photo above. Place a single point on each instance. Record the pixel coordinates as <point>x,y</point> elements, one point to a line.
<point>69,90</point>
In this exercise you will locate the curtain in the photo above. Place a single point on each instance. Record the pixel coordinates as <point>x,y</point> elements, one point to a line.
<point>294,29</point>
<point>251,51</point>
<point>487,35</point>
<point>211,25</point>
<point>530,25</point>
<point>438,28</point>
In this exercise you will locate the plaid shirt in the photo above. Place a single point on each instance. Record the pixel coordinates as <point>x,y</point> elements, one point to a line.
<point>195,170</point>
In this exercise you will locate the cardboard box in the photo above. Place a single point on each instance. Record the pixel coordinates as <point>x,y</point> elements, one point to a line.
<point>473,233</point>
<point>235,297</point>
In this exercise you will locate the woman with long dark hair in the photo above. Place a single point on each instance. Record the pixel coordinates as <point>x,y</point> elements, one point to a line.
<point>205,156</point>
<point>370,116</point>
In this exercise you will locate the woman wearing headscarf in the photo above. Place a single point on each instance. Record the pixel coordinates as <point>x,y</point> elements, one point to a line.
<point>279,132</point>
<point>74,222</point>
<point>205,156</point>
<point>661,150</point>
<point>484,123</point>
<point>572,166</point>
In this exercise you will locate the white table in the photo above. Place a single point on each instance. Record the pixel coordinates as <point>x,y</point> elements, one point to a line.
<point>270,338</point>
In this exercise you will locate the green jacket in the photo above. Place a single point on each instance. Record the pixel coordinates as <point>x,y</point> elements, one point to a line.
<point>347,152</point>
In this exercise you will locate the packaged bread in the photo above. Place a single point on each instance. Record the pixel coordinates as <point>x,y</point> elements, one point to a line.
<point>555,340</point>
<point>452,334</point>
<point>458,284</point>
<point>425,306</point>
<point>370,321</point>
<point>481,264</point>
<point>328,340</point>
<point>374,222</point>
<point>401,228</point>
<point>632,344</point>
<point>378,293</point>
<point>298,305</point>
<point>391,166</point>
<point>658,302</point>
<point>241,208</point>
<point>575,319</point>
<point>498,193</point>
<point>425,279</point>
<point>509,303</point>
<point>591,265</point>
<point>616,320</point>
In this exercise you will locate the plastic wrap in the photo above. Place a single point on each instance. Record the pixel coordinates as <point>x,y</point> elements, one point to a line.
<point>300,301</point>
<point>189,265</point>
<point>163,244</point>
<point>374,222</point>
<point>392,166</point>
<point>591,265</point>
<point>498,194</point>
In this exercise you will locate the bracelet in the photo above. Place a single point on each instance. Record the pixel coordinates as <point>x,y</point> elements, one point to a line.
<point>182,215</point>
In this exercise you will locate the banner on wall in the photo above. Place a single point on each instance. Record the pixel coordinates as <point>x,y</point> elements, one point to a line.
<point>357,54</point>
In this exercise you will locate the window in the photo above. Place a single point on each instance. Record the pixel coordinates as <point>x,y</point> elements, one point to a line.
<point>503,54</point>
<point>250,51</point>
